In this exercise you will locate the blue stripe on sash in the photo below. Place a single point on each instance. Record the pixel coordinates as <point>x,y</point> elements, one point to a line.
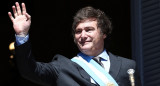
<point>87,69</point>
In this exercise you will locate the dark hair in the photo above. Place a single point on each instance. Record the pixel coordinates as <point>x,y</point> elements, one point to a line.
<point>89,12</point>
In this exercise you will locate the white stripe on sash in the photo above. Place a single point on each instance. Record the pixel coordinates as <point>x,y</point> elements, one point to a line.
<point>97,75</point>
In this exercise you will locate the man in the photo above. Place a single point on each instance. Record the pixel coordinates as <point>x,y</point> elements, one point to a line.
<point>90,28</point>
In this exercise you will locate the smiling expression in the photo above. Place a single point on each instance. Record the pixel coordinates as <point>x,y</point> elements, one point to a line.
<point>89,38</point>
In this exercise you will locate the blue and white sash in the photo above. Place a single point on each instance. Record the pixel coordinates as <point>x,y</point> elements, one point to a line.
<point>98,73</point>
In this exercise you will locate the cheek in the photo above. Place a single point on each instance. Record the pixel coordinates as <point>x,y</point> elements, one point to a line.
<point>76,38</point>
<point>97,38</point>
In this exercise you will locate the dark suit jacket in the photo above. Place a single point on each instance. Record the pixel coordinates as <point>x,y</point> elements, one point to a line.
<point>63,72</point>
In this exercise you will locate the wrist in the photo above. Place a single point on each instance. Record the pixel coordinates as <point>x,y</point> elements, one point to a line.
<point>22,34</point>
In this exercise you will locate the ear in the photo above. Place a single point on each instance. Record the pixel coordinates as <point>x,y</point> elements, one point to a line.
<point>104,36</point>
<point>74,40</point>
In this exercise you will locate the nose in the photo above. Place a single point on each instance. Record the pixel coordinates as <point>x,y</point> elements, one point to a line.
<point>83,35</point>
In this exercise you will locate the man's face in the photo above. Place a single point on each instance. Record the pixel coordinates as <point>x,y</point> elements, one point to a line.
<point>89,38</point>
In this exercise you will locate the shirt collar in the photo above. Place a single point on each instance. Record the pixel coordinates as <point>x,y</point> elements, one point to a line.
<point>86,57</point>
<point>103,55</point>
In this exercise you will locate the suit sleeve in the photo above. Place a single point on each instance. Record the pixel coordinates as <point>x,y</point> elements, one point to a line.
<point>131,64</point>
<point>38,72</point>
<point>123,78</point>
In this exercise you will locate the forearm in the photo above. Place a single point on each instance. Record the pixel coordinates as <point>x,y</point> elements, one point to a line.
<point>28,67</point>
<point>25,62</point>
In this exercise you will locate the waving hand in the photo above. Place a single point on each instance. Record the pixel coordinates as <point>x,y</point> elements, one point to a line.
<point>21,19</point>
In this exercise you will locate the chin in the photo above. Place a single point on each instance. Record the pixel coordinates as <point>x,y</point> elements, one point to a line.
<point>85,49</point>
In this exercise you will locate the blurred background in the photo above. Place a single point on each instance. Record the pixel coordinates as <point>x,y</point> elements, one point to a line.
<point>50,32</point>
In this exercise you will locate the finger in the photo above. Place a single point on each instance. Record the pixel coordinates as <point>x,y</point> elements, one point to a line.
<point>18,8</point>
<point>10,16</point>
<point>28,16</point>
<point>14,11</point>
<point>23,9</point>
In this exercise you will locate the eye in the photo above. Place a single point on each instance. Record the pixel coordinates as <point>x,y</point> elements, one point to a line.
<point>89,29</point>
<point>78,31</point>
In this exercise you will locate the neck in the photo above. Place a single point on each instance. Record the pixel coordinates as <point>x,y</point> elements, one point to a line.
<point>93,53</point>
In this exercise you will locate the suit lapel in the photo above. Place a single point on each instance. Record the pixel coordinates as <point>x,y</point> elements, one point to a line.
<point>83,73</point>
<point>115,65</point>
<point>114,68</point>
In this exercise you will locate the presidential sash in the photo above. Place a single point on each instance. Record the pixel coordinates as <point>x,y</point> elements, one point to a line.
<point>98,73</point>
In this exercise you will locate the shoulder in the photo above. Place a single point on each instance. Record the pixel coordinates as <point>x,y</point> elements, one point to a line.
<point>59,57</point>
<point>124,61</point>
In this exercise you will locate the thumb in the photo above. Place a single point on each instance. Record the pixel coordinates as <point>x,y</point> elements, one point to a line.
<point>28,16</point>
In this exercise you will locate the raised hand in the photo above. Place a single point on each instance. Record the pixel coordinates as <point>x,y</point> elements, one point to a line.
<point>21,19</point>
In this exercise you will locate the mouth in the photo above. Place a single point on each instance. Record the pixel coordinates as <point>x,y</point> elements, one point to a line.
<point>84,43</point>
